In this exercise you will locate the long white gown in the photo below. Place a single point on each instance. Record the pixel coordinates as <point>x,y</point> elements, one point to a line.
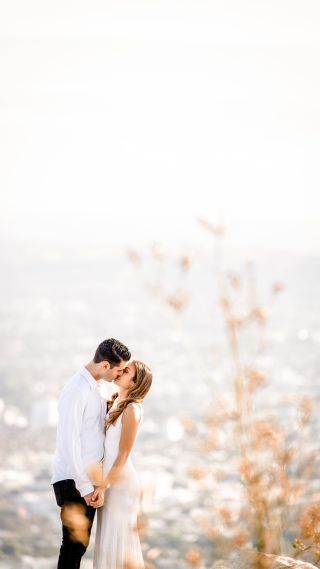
<point>117,544</point>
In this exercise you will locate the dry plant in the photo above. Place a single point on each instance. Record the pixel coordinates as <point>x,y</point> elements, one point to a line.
<point>176,298</point>
<point>74,518</point>
<point>194,557</point>
<point>273,468</point>
<point>309,541</point>
<point>270,461</point>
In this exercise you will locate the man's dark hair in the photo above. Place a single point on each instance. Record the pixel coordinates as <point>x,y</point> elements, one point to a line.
<point>112,351</point>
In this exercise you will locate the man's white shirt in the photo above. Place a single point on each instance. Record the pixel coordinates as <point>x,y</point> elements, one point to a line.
<point>80,433</point>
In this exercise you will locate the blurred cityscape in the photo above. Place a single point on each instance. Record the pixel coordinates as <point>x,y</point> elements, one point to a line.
<point>57,303</point>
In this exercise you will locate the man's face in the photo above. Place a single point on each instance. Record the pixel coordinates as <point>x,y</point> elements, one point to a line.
<point>109,374</point>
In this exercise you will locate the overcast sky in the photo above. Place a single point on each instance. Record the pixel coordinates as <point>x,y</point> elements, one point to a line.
<point>127,119</point>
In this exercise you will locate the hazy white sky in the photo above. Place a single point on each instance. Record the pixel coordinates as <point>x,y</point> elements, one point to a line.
<point>130,118</point>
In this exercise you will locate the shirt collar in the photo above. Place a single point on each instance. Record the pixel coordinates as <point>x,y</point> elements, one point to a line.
<point>89,378</point>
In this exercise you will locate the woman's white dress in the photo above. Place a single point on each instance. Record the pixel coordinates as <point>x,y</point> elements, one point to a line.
<point>117,544</point>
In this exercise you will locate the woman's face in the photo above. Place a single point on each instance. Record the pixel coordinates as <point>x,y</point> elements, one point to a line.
<point>126,380</point>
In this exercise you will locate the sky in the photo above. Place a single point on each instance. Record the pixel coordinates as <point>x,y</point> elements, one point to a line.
<point>126,120</point>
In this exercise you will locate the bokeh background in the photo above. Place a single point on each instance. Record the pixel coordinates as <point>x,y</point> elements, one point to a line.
<point>149,149</point>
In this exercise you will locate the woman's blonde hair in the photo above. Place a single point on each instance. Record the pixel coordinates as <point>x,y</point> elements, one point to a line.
<point>142,383</point>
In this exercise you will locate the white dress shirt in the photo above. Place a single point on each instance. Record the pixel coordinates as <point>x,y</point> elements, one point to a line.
<point>80,433</point>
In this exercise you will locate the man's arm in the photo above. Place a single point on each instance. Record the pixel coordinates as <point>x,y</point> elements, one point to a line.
<point>72,409</point>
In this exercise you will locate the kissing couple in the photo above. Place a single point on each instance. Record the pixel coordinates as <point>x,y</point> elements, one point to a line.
<point>92,465</point>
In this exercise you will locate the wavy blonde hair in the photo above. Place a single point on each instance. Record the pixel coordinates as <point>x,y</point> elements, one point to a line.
<point>142,383</point>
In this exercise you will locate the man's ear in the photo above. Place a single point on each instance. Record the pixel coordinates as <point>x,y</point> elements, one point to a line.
<point>106,365</point>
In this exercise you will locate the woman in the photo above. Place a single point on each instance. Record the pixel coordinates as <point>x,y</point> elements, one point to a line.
<point>117,544</point>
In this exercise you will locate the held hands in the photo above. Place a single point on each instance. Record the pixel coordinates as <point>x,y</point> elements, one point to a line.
<point>88,498</point>
<point>97,497</point>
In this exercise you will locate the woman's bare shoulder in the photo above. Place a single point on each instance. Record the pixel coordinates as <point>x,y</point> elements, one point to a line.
<point>133,411</point>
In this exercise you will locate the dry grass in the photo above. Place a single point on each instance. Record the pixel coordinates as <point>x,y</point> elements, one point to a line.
<point>271,459</point>
<point>73,517</point>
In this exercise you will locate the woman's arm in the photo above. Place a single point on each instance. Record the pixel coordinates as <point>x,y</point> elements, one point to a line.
<point>130,423</point>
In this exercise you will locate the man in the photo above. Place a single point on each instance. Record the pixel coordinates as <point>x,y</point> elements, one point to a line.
<point>80,443</point>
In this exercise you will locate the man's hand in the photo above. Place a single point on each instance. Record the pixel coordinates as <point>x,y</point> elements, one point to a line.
<point>88,498</point>
<point>97,499</point>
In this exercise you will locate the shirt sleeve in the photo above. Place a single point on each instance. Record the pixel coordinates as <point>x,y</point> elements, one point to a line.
<point>72,408</point>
